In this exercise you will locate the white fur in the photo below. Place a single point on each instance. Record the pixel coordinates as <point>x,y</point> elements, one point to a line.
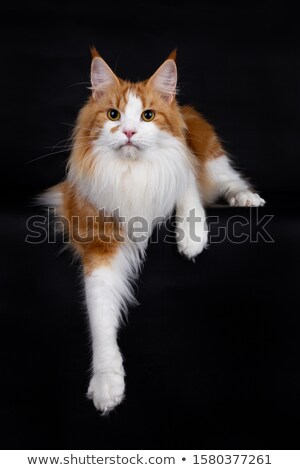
<point>227,182</point>
<point>189,246</point>
<point>108,291</point>
<point>52,198</point>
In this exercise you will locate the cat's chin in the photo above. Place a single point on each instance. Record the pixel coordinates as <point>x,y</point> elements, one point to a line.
<point>130,151</point>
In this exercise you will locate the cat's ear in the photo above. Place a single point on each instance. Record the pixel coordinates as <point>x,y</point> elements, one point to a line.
<point>102,76</point>
<point>165,79</point>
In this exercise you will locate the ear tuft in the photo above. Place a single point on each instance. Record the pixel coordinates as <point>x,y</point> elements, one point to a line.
<point>173,55</point>
<point>165,80</point>
<point>102,77</point>
<point>94,52</point>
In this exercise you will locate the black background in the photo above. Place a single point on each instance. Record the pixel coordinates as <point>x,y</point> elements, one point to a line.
<point>212,352</point>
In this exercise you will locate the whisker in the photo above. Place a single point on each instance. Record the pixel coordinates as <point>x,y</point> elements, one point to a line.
<point>71,145</point>
<point>79,83</point>
<point>72,137</point>
<point>55,153</point>
<point>79,127</point>
<point>60,142</point>
<point>44,156</point>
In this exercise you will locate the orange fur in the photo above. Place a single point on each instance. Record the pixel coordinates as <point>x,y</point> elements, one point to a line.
<point>201,136</point>
<point>94,52</point>
<point>173,55</point>
<point>94,240</point>
<point>204,142</point>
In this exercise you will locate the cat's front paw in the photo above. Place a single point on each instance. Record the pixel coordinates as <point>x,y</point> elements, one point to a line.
<point>246,198</point>
<point>191,244</point>
<point>107,389</point>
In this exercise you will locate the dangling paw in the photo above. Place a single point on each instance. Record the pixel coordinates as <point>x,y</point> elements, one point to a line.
<point>246,198</point>
<point>192,244</point>
<point>107,389</point>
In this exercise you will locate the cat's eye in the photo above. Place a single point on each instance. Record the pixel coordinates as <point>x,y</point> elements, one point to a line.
<point>113,115</point>
<point>148,115</point>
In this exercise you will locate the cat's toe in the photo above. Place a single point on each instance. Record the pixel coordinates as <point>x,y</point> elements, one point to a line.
<point>246,199</point>
<point>106,389</point>
<point>192,247</point>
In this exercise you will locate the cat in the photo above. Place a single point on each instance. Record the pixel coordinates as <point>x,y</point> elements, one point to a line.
<point>136,153</point>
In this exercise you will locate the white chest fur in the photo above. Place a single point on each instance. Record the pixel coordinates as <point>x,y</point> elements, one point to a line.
<point>147,186</point>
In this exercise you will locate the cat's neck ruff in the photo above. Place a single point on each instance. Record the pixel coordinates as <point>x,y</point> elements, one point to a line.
<point>147,186</point>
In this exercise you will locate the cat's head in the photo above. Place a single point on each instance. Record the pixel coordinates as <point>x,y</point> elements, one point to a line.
<point>130,118</point>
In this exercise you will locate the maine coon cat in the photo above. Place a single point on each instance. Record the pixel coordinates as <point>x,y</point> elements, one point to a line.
<point>136,153</point>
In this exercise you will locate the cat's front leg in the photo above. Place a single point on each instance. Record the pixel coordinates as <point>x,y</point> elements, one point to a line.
<point>223,180</point>
<point>191,224</point>
<point>107,289</point>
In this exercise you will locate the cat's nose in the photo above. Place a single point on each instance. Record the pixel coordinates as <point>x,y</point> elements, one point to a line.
<point>128,133</point>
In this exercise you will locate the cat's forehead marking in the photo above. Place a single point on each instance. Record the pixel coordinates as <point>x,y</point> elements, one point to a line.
<point>134,105</point>
<point>132,110</point>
